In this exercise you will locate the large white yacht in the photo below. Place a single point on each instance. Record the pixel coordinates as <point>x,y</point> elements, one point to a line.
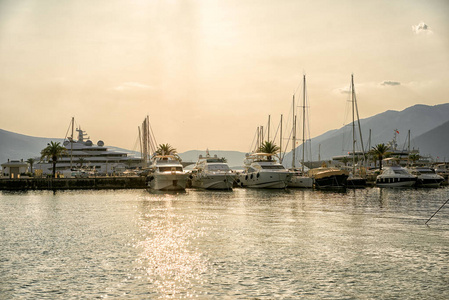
<point>212,173</point>
<point>84,154</point>
<point>427,177</point>
<point>167,174</point>
<point>262,171</point>
<point>395,176</point>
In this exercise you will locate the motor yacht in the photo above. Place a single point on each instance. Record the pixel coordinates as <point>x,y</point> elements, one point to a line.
<point>167,174</point>
<point>395,176</point>
<point>212,173</point>
<point>427,177</point>
<point>262,171</point>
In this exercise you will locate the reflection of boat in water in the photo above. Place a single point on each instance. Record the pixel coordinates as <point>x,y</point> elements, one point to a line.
<point>329,178</point>
<point>427,177</point>
<point>167,174</point>
<point>212,173</point>
<point>262,171</point>
<point>395,176</point>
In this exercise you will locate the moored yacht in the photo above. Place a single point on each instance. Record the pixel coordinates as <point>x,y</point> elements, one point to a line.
<point>167,174</point>
<point>299,180</point>
<point>395,176</point>
<point>212,173</point>
<point>329,178</point>
<point>427,177</point>
<point>262,171</point>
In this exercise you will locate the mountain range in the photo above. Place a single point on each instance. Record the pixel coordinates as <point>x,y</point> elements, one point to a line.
<point>428,126</point>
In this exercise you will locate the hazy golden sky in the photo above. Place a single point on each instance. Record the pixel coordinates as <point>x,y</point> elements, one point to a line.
<point>209,72</point>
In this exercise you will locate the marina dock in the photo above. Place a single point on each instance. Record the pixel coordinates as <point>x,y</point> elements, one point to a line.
<point>98,183</point>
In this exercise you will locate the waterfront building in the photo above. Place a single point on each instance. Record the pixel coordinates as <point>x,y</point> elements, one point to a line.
<point>13,168</point>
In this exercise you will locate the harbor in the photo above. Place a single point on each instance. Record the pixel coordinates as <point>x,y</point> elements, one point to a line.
<point>249,243</point>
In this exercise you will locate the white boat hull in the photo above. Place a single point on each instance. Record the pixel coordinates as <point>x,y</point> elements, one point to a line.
<point>300,182</point>
<point>390,182</point>
<point>266,180</point>
<point>168,181</point>
<point>213,181</point>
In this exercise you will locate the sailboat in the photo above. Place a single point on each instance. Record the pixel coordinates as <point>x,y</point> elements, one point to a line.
<point>299,179</point>
<point>355,180</point>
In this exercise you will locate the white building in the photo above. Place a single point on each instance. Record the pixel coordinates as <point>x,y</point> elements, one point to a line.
<point>13,168</point>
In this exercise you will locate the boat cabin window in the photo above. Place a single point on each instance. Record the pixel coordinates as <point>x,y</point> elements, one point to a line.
<point>169,169</point>
<point>218,167</point>
<point>273,167</point>
<point>399,171</point>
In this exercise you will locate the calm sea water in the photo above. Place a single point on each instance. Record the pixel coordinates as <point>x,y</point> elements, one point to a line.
<point>262,244</point>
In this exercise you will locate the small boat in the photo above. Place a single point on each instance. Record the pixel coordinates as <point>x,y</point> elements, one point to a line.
<point>299,180</point>
<point>262,171</point>
<point>212,173</point>
<point>427,177</point>
<point>395,176</point>
<point>167,174</point>
<point>329,178</point>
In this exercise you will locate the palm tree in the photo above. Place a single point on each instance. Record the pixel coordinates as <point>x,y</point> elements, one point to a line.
<point>167,149</point>
<point>52,152</point>
<point>31,161</point>
<point>414,157</point>
<point>269,148</point>
<point>380,150</point>
<point>81,162</point>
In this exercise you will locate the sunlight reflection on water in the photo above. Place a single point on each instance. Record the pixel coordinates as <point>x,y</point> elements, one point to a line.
<point>262,244</point>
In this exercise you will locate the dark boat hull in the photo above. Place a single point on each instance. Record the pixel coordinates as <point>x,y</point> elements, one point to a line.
<point>355,183</point>
<point>331,182</point>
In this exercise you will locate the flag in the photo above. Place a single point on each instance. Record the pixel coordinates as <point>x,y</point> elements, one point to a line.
<point>397,131</point>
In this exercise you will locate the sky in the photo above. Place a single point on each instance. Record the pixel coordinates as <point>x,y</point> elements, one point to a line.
<point>208,73</point>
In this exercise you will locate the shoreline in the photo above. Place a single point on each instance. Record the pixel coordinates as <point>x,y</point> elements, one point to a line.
<point>98,183</point>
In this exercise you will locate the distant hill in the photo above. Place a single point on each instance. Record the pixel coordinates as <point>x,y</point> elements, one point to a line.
<point>429,127</point>
<point>435,142</point>
<point>419,119</point>
<point>16,146</point>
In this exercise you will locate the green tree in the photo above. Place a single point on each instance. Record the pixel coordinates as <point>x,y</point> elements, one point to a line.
<point>269,148</point>
<point>52,152</point>
<point>414,157</point>
<point>167,149</point>
<point>31,161</point>
<point>81,161</point>
<point>380,151</point>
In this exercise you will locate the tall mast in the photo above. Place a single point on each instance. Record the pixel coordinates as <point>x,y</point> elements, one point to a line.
<point>303,122</point>
<point>294,135</point>
<point>353,125</point>
<point>71,144</point>
<point>280,143</point>
<point>269,117</point>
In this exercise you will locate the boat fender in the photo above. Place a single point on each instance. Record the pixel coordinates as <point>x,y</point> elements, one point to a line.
<point>191,176</point>
<point>252,175</point>
<point>246,177</point>
<point>258,175</point>
<point>151,178</point>
<point>238,180</point>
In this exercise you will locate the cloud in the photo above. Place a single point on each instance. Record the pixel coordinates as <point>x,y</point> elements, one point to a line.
<point>421,28</point>
<point>392,83</point>
<point>133,86</point>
